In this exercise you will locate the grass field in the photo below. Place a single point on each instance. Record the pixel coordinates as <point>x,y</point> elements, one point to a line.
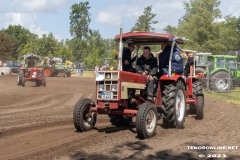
<point>85,74</point>
<point>232,97</point>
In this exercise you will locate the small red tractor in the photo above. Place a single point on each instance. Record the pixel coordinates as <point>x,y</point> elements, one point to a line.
<point>122,95</point>
<point>30,70</point>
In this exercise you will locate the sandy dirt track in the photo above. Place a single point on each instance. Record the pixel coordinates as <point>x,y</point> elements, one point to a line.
<point>36,123</point>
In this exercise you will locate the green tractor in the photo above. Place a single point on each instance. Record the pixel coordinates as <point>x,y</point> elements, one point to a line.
<point>223,72</point>
<point>54,66</point>
<point>202,62</point>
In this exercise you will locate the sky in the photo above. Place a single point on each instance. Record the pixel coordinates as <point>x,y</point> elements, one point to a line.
<point>107,16</point>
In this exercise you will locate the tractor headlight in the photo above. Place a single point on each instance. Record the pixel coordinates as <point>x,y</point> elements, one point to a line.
<point>99,76</point>
<point>101,87</point>
<point>114,87</point>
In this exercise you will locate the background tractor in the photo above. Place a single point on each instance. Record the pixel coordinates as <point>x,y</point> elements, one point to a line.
<point>122,95</point>
<point>223,72</point>
<point>31,70</point>
<point>54,66</point>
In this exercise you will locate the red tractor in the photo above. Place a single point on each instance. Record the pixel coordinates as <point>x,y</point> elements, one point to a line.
<point>122,95</point>
<point>30,70</point>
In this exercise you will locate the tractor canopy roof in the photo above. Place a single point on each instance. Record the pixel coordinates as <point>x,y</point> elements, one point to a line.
<point>144,38</point>
<point>31,56</point>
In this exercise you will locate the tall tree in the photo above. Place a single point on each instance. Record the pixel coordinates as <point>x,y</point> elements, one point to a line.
<point>171,30</point>
<point>145,21</point>
<point>198,24</point>
<point>80,20</point>
<point>7,45</point>
<point>21,37</point>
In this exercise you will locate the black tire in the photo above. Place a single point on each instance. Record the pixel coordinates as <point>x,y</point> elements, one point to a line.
<point>171,94</point>
<point>146,109</point>
<point>120,120</point>
<point>44,82</point>
<point>23,80</point>
<point>19,81</point>
<point>219,82</point>
<point>197,90</point>
<point>38,83</point>
<point>83,121</point>
<point>69,74</point>
<point>200,106</point>
<point>63,74</point>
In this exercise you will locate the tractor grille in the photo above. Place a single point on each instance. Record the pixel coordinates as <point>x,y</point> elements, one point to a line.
<point>107,85</point>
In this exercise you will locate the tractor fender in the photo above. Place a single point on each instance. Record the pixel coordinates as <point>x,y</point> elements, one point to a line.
<point>174,77</point>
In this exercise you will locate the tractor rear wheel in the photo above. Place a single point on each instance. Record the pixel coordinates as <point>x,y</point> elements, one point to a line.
<point>83,118</point>
<point>200,106</point>
<point>197,90</point>
<point>174,105</point>
<point>47,72</point>
<point>219,82</point>
<point>146,120</point>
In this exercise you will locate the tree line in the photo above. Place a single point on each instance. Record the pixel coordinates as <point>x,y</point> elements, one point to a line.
<point>202,24</point>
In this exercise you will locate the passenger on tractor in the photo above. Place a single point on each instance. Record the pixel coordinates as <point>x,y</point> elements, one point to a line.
<point>177,62</point>
<point>147,65</point>
<point>127,59</point>
<point>189,67</point>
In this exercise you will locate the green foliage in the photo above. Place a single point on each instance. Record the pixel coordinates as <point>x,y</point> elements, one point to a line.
<point>7,45</point>
<point>198,24</point>
<point>145,21</point>
<point>21,37</point>
<point>80,20</point>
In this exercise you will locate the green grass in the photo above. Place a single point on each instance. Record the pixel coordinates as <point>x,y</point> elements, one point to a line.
<point>85,73</point>
<point>232,97</point>
<point>88,74</point>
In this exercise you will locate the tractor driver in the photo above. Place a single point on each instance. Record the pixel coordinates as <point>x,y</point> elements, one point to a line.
<point>127,59</point>
<point>188,70</point>
<point>147,65</point>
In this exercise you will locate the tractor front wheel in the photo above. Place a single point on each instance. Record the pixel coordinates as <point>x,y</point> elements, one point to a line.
<point>19,82</point>
<point>200,106</point>
<point>174,105</point>
<point>83,118</point>
<point>44,82</point>
<point>68,74</point>
<point>23,80</point>
<point>146,120</point>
